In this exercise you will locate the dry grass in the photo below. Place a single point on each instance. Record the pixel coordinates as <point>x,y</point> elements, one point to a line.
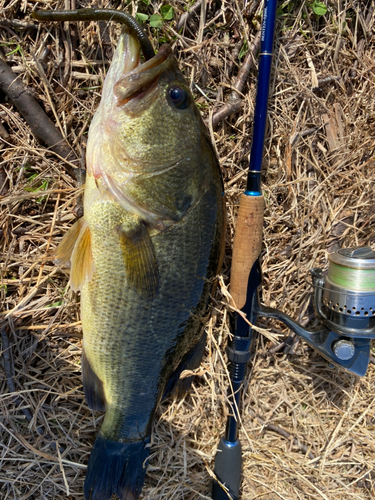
<point>318,182</point>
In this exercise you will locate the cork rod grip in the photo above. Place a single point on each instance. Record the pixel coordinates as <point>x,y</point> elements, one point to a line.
<point>246,246</point>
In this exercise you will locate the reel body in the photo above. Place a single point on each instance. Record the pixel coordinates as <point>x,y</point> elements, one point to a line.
<point>344,301</point>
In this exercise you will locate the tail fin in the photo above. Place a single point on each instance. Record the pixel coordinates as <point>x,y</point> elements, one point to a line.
<point>116,468</point>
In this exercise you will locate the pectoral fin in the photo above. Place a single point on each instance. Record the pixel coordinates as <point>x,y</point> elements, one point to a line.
<point>75,248</point>
<point>92,386</point>
<point>82,263</point>
<point>140,260</point>
<point>63,252</point>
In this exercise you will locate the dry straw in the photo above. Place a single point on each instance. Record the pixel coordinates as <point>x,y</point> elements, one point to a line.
<point>307,429</point>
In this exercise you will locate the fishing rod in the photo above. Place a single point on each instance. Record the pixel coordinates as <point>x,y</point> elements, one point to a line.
<point>343,296</point>
<point>245,273</point>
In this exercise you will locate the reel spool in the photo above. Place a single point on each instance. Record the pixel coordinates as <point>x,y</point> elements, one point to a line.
<point>344,301</point>
<point>349,289</point>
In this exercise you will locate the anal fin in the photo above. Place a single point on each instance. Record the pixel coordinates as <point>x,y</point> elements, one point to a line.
<point>140,260</point>
<point>92,386</point>
<point>178,387</point>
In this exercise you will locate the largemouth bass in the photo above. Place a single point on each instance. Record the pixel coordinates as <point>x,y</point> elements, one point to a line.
<point>143,256</point>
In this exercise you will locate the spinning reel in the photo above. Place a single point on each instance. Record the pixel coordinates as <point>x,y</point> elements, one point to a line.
<point>344,302</point>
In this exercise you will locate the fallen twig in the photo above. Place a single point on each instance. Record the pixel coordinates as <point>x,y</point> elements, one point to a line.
<point>275,428</point>
<point>234,55</point>
<point>185,16</point>
<point>4,184</point>
<point>305,449</point>
<point>18,24</point>
<point>234,103</point>
<point>285,343</point>
<point>3,132</point>
<point>41,126</point>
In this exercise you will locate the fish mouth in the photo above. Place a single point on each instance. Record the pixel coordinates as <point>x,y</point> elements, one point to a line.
<point>142,77</point>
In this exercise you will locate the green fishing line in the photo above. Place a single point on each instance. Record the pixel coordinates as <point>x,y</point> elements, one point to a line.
<point>352,279</point>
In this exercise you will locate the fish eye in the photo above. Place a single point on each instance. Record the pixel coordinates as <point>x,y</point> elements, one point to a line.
<point>179,97</point>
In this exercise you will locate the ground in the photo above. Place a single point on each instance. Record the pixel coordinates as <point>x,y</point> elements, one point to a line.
<point>307,428</point>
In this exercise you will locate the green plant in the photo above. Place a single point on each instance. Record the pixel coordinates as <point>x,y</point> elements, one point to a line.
<point>166,14</point>
<point>17,49</point>
<point>141,18</point>
<point>156,21</point>
<point>243,50</point>
<point>319,8</point>
<point>32,187</point>
<point>56,304</point>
